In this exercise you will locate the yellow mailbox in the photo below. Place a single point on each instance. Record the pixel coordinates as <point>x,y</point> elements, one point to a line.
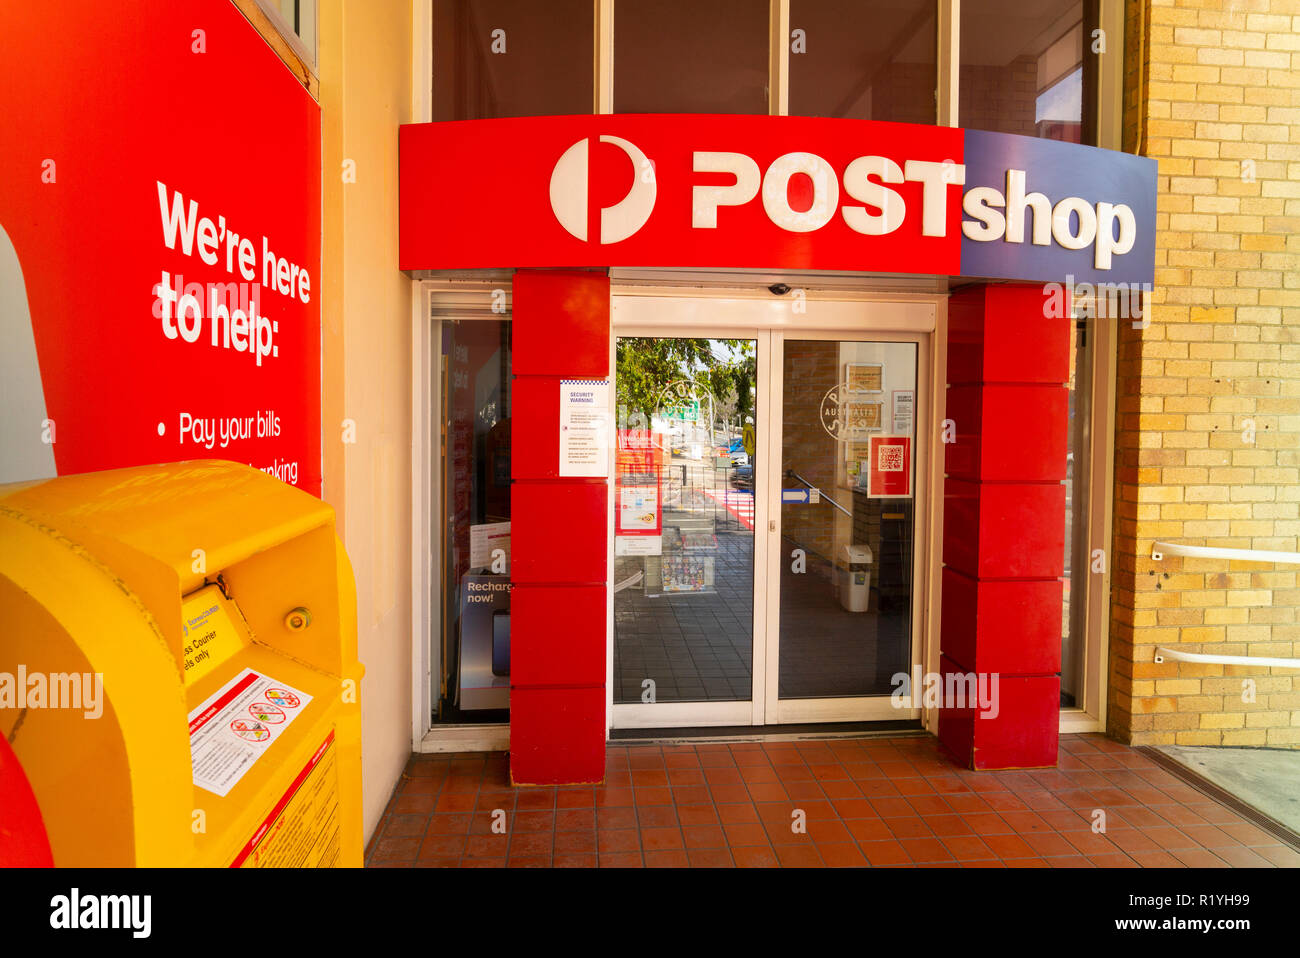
<point>178,667</point>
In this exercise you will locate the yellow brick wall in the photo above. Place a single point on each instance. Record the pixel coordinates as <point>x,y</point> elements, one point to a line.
<point>1212,92</point>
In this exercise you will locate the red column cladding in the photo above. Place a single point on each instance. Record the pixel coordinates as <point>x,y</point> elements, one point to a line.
<point>559,536</point>
<point>1004,522</point>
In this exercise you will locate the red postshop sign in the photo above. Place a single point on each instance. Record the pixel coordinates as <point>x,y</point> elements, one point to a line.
<point>770,192</point>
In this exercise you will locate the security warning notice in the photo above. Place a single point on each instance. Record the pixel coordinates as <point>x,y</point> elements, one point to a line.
<point>232,730</point>
<point>302,830</point>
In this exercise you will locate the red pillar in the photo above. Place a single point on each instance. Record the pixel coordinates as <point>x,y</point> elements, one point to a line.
<point>1004,521</point>
<point>558,538</point>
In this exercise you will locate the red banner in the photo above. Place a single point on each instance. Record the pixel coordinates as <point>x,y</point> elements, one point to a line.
<point>159,242</point>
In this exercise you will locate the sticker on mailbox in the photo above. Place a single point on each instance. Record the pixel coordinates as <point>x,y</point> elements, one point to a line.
<point>234,728</point>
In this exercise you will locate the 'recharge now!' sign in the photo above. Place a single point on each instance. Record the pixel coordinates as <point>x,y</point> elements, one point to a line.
<point>159,243</point>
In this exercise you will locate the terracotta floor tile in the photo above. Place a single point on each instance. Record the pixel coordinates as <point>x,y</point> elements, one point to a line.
<point>745,835</point>
<point>853,808</point>
<point>729,793</point>
<point>737,813</point>
<point>405,826</point>
<point>702,814</point>
<point>1050,844</point>
<point>1090,843</point>
<point>682,759</point>
<point>567,843</point>
<point>1010,846</point>
<point>804,791</point>
<point>667,858</point>
<point>827,832</point>
<point>945,825</point>
<point>685,776</point>
<point>914,827</point>
<point>449,824</point>
<point>962,802</point>
<point>613,797</point>
<point>620,860</point>
<point>840,788</point>
<point>535,798</point>
<point>616,840</point>
<point>1168,837</point>
<point>884,802</point>
<point>967,848</point>
<point>1130,840</point>
<point>841,855</point>
<point>719,758</point>
<point>575,819</point>
<point>616,817</point>
<point>1238,856</point>
<point>893,807</point>
<point>450,846</point>
<point>868,829</point>
<point>704,836</point>
<point>768,793</point>
<point>654,795</point>
<point>1156,859</point>
<point>1282,856</point>
<point>660,839</point>
<point>798,856</point>
<point>1113,860</point>
<point>574,861</point>
<point>1209,836</point>
<point>1216,814</point>
<point>573,798</point>
<point>710,858</point>
<point>987,823</point>
<point>1198,858</point>
<point>691,794</point>
<point>754,856</point>
<point>657,816</point>
<point>645,757</point>
<point>412,803</point>
<point>486,846</point>
<point>532,821</point>
<point>878,788</point>
<point>925,850</point>
<point>928,804</point>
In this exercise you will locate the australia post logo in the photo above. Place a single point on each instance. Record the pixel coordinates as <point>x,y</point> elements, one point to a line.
<point>569,193</point>
<point>773,192</point>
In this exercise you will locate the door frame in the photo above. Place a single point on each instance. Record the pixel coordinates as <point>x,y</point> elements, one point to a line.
<point>653,308</point>
<point>857,708</point>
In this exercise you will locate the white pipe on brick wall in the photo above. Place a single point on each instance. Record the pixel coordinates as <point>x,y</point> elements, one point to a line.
<point>1258,660</point>
<point>1160,549</point>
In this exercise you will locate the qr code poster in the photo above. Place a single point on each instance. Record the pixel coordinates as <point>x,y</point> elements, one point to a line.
<point>890,460</point>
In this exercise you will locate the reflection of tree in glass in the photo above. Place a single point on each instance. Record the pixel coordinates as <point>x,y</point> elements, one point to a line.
<point>727,368</point>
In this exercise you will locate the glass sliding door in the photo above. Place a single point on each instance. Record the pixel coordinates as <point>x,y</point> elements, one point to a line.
<point>684,559</point>
<point>844,572</point>
<point>767,510</point>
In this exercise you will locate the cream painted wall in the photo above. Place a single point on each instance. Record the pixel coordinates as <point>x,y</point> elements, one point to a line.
<point>364,65</point>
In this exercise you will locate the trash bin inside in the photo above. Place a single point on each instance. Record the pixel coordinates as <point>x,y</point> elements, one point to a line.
<point>853,570</point>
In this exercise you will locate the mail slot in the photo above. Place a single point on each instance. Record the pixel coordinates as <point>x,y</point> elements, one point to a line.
<point>178,668</point>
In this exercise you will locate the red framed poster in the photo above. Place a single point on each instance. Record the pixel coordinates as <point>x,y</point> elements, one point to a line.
<point>638,495</point>
<point>890,462</point>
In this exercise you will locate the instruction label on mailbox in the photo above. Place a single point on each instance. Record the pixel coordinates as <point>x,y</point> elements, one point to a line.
<point>232,730</point>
